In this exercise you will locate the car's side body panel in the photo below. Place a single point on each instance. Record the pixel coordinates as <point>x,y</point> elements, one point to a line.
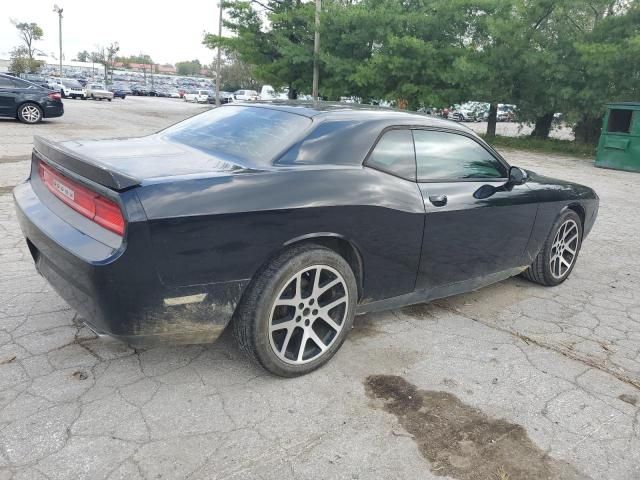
<point>226,228</point>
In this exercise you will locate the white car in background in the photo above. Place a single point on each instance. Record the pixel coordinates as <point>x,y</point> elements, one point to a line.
<point>98,91</point>
<point>269,93</point>
<point>196,96</point>
<point>68,87</point>
<point>246,95</point>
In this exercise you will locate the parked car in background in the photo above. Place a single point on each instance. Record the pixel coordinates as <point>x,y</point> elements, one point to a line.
<point>463,115</point>
<point>246,95</point>
<point>139,90</point>
<point>69,88</point>
<point>97,91</point>
<point>197,96</point>
<point>289,219</point>
<point>120,91</point>
<point>27,101</point>
<point>226,97</point>
<point>173,93</point>
<point>506,113</point>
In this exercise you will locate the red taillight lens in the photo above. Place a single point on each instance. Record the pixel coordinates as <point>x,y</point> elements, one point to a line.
<point>103,211</point>
<point>54,96</point>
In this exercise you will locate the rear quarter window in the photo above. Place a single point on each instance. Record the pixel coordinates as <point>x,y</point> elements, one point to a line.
<point>248,133</point>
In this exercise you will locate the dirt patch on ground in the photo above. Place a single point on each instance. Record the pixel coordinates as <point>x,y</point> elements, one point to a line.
<point>364,326</point>
<point>462,442</point>
<point>421,311</point>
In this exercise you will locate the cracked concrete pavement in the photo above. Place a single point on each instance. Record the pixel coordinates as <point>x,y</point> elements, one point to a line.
<point>563,364</point>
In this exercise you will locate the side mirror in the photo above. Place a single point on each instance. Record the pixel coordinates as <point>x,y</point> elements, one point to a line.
<point>517,176</point>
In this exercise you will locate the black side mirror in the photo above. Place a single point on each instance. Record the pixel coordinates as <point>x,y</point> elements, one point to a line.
<point>517,176</point>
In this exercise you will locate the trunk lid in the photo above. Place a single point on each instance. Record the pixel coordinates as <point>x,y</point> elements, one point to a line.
<point>120,164</point>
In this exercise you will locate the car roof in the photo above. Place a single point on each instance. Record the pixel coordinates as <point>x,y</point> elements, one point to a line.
<point>320,111</point>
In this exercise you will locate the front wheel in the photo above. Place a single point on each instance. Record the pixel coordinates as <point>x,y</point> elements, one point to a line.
<point>297,311</point>
<point>559,254</point>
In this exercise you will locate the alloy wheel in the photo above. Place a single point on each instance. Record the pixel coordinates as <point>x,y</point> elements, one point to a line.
<point>308,314</point>
<point>564,248</point>
<point>30,113</point>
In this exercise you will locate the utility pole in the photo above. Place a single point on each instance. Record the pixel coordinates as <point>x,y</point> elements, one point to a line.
<point>316,52</point>
<point>58,10</point>
<point>219,52</point>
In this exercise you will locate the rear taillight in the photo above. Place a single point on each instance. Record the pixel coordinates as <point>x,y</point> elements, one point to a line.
<point>54,96</point>
<point>103,211</point>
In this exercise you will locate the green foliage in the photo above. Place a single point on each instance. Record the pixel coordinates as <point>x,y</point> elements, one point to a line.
<point>140,58</point>
<point>83,56</point>
<point>236,74</point>
<point>192,67</point>
<point>545,56</point>
<point>20,62</point>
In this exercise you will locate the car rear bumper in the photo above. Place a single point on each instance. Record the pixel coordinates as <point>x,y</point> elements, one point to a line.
<point>117,291</point>
<point>53,109</point>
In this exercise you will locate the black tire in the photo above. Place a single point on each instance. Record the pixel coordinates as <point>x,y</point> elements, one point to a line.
<point>252,318</point>
<point>540,271</point>
<point>30,113</point>
<point>108,99</point>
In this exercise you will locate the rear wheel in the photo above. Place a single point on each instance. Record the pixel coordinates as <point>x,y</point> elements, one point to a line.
<point>559,254</point>
<point>298,311</point>
<point>29,113</point>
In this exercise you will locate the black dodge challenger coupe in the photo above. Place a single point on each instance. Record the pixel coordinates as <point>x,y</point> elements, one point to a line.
<point>287,220</point>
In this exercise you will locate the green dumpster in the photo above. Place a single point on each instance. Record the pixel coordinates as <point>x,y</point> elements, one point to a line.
<point>619,145</point>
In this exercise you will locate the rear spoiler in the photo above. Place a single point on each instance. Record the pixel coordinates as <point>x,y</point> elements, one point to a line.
<point>82,165</point>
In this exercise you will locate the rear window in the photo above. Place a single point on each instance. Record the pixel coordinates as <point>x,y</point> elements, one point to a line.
<point>247,133</point>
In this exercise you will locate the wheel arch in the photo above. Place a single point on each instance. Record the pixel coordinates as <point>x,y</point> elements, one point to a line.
<point>578,209</point>
<point>344,247</point>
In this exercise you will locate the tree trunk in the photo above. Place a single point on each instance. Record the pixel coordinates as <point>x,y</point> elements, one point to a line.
<point>493,119</point>
<point>293,93</point>
<point>587,130</point>
<point>543,126</point>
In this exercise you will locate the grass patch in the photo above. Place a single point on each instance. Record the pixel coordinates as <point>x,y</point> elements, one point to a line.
<point>551,145</point>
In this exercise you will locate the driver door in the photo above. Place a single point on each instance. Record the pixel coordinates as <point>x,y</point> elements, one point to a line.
<point>467,233</point>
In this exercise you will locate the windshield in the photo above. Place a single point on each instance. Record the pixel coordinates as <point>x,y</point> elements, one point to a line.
<point>71,83</point>
<point>248,133</point>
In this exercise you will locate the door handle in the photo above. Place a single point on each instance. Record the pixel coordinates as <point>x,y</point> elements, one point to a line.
<point>438,200</point>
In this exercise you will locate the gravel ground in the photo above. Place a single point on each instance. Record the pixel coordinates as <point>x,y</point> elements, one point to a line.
<point>514,378</point>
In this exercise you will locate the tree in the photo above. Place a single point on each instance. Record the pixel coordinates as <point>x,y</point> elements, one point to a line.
<point>107,57</point>
<point>29,33</point>
<point>192,67</point>
<point>236,75</point>
<point>280,46</point>
<point>23,57</point>
<point>83,56</point>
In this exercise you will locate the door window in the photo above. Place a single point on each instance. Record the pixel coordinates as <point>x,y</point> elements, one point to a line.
<point>442,156</point>
<point>394,154</point>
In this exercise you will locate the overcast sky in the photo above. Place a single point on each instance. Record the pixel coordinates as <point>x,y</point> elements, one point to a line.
<point>169,31</point>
